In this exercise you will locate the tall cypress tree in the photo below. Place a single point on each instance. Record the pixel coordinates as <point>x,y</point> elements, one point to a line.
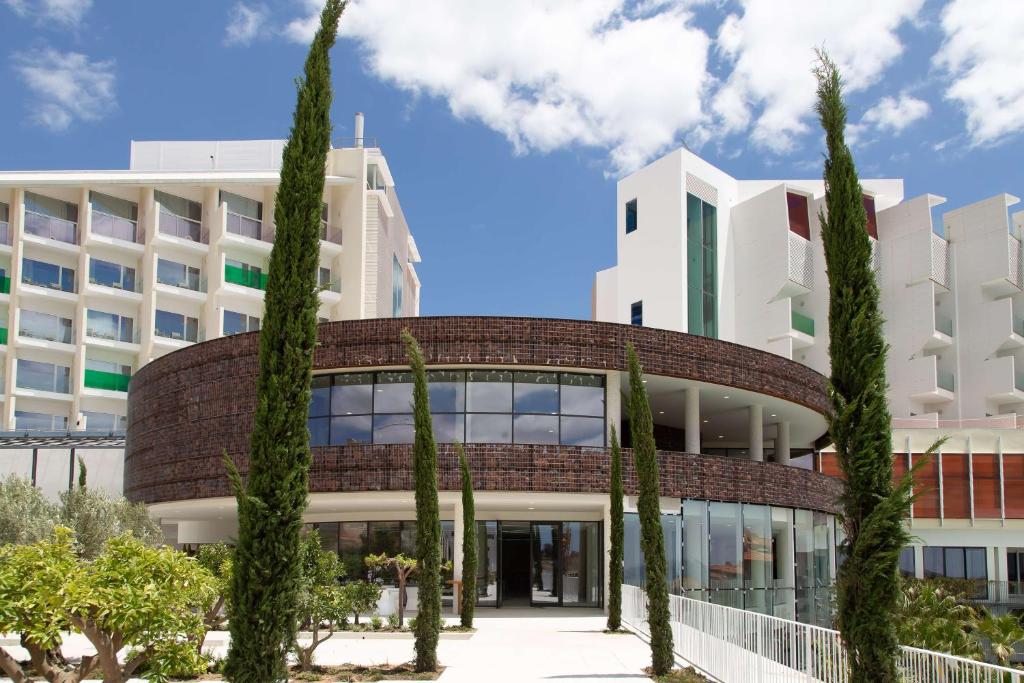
<point>469,559</point>
<point>617,533</point>
<point>428,520</point>
<point>270,505</point>
<point>860,425</point>
<point>652,540</point>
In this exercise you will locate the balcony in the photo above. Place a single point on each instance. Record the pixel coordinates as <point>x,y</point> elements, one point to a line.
<point>800,265</point>
<point>942,334</point>
<point>5,234</point>
<point>5,284</point>
<point>3,334</point>
<point>330,239</point>
<point>940,272</point>
<point>928,383</point>
<point>106,381</point>
<point>244,226</point>
<point>253,279</point>
<point>115,231</point>
<point>801,330</point>
<point>51,228</point>
<point>1003,380</point>
<point>113,290</point>
<point>181,232</point>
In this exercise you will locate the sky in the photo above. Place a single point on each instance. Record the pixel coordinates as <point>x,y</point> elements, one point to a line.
<point>507,124</point>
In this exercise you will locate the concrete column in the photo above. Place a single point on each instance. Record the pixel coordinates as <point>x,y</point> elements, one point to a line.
<point>613,404</point>
<point>782,443</point>
<point>692,420</point>
<point>756,433</point>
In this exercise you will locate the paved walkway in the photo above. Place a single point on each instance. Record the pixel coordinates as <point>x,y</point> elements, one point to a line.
<point>549,644</point>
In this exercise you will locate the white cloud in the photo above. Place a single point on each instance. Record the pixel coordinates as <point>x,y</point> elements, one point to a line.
<point>545,75</point>
<point>894,115</point>
<point>983,53</point>
<point>302,29</point>
<point>769,48</point>
<point>245,23</point>
<point>65,12</point>
<point>67,86</point>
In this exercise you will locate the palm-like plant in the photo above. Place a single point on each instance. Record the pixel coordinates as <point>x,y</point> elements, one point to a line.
<point>1003,635</point>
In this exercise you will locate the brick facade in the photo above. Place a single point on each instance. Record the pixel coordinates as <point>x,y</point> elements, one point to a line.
<point>189,407</point>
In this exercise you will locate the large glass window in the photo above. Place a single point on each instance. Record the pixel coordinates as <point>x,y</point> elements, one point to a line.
<point>954,563</point>
<point>757,558</point>
<point>39,422</point>
<point>176,326</point>
<point>631,216</point>
<point>113,216</point>
<point>476,406</point>
<point>104,422</point>
<point>724,553</point>
<point>1015,571</point>
<point>701,267</point>
<point>111,274</point>
<point>177,274</point>
<point>397,283</point>
<point>695,548</point>
<point>43,376</point>
<point>180,217</point>
<point>103,325</point>
<point>237,323</point>
<point>51,218</point>
<point>245,216</point>
<point>355,540</point>
<point>52,276</point>
<point>35,325</point>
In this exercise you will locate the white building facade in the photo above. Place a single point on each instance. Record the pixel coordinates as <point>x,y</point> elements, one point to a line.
<point>102,272</point>
<point>741,260</point>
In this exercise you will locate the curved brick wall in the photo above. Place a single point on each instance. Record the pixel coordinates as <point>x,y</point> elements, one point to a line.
<point>187,408</point>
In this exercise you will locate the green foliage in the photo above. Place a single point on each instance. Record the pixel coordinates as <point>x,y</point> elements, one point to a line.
<point>363,596</point>
<point>25,514</point>
<point>652,542</point>
<point>930,616</point>
<point>217,558</point>
<point>617,533</point>
<point>404,567</point>
<point>131,596</point>
<point>376,622</point>
<point>1003,635</point>
<point>469,559</point>
<point>394,623</point>
<point>860,425</point>
<point>428,519</point>
<point>95,518</point>
<point>265,581</point>
<point>323,603</point>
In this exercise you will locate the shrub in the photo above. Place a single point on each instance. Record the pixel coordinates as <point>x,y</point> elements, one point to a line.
<point>322,603</point>
<point>363,596</point>
<point>376,622</point>
<point>393,622</point>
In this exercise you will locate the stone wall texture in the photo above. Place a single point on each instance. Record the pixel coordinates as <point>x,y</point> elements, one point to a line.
<point>188,408</point>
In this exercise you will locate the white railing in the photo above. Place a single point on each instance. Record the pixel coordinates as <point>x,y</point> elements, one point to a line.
<point>940,260</point>
<point>1016,275</point>
<point>801,260</point>
<point>737,646</point>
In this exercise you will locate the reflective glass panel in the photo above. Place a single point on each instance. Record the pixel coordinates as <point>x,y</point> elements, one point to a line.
<point>393,392</point>
<point>536,392</point>
<point>485,428</point>
<point>319,431</point>
<point>583,395</point>
<point>352,394</point>
<point>449,427</point>
<point>540,429</point>
<point>581,564</point>
<point>489,391</point>
<point>351,429</point>
<point>393,429</point>
<point>582,431</point>
<point>695,545</point>
<point>321,402</point>
<point>447,391</point>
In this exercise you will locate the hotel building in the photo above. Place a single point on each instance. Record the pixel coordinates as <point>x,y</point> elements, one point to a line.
<point>102,272</point>
<point>742,260</point>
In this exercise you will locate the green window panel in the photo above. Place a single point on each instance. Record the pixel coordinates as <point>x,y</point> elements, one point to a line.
<point>246,278</point>
<point>111,381</point>
<point>3,336</point>
<point>803,323</point>
<point>5,284</point>
<point>701,267</point>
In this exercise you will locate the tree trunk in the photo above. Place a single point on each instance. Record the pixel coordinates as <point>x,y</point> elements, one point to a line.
<point>106,650</point>
<point>401,599</point>
<point>11,668</point>
<point>42,665</point>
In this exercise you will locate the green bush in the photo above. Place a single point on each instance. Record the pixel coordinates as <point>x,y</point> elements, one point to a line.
<point>363,596</point>
<point>322,602</point>
<point>393,622</point>
<point>376,622</point>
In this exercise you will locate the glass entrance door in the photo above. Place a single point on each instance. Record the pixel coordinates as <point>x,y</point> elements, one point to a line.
<point>545,564</point>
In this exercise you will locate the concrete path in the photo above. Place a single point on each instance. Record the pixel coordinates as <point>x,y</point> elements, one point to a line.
<point>549,644</point>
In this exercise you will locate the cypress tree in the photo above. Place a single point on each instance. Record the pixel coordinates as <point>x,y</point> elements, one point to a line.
<point>617,533</point>
<point>652,540</point>
<point>860,425</point>
<point>468,541</point>
<point>428,521</point>
<point>265,580</point>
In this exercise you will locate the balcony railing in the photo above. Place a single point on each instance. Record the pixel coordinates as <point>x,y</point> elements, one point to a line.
<point>247,278</point>
<point>1018,326</point>
<point>330,233</point>
<point>332,286</point>
<point>801,260</point>
<point>945,380</point>
<point>134,285</point>
<point>111,334</point>
<point>46,333</point>
<point>182,228</point>
<point>1014,249</point>
<point>5,232</point>
<point>802,323</point>
<point>3,335</point>
<point>117,227</point>
<point>245,226</point>
<point>940,261</point>
<point>109,381</point>
<point>944,325</point>
<point>51,227</point>
<point>5,284</point>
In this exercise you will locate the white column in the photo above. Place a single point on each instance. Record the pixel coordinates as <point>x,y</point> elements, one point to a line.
<point>782,443</point>
<point>692,420</point>
<point>756,433</point>
<point>613,404</point>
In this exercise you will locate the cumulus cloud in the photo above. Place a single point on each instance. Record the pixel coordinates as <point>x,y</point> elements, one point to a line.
<point>983,53</point>
<point>894,115</point>
<point>768,47</point>
<point>245,23</point>
<point>545,75</point>
<point>64,12</point>
<point>67,86</point>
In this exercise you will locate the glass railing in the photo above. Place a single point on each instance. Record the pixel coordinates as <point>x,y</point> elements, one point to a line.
<point>332,286</point>
<point>44,332</point>
<point>246,278</point>
<point>944,325</point>
<point>1018,381</point>
<point>1018,326</point>
<point>5,232</point>
<point>802,323</point>
<point>945,380</point>
<point>111,334</point>
<point>180,335</point>
<point>330,233</point>
<point>3,334</point>
<point>117,227</point>
<point>110,381</point>
<point>50,227</point>
<point>177,226</point>
<point>245,226</point>
<point>5,284</point>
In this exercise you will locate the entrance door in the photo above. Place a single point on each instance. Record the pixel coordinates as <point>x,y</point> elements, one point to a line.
<point>545,570</point>
<point>514,563</point>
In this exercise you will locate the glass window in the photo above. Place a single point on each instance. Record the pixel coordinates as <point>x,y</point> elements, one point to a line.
<point>177,274</point>
<point>111,274</point>
<point>539,429</point>
<point>104,422</point>
<point>536,392</point>
<point>352,546</point>
<point>393,392</point>
<point>907,562</point>
<point>48,206</point>
<point>393,429</point>
<point>581,563</point>
<point>43,376</point>
<point>757,557</point>
<point>103,325</point>
<point>489,391</point>
<point>35,325</point>
<point>447,391</point>
<point>179,206</point>
<point>488,428</point>
<point>114,206</point>
<point>631,216</point>
<point>582,395</point>
<point>242,206</point>
<point>49,275</point>
<point>724,553</point>
<point>237,323</point>
<point>701,267</point>
<point>397,281</point>
<point>351,430</point>
<point>176,326</point>
<point>582,431</point>
<point>352,394</point>
<point>695,545</point>
<point>449,427</point>
<point>319,431</point>
<point>636,313</point>
<point>321,401</point>
<point>41,422</point>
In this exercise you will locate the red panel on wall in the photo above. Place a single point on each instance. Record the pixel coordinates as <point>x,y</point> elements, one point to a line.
<point>956,486</point>
<point>799,218</point>
<point>986,485</point>
<point>830,465</point>
<point>926,486</point>
<point>1013,472</point>
<point>869,208</point>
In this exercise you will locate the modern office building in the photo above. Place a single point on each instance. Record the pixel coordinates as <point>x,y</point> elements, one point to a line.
<point>742,260</point>
<point>533,400</point>
<point>101,272</point>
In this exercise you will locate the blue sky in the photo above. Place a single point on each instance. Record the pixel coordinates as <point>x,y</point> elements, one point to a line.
<point>506,124</point>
